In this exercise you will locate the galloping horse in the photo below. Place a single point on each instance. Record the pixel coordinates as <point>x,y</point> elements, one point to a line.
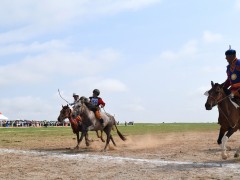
<point>91,123</point>
<point>229,115</point>
<point>66,112</point>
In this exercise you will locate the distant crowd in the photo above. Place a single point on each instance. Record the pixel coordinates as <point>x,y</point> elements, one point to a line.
<point>31,123</point>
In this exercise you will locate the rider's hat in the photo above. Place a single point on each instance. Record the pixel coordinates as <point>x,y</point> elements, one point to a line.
<point>230,52</point>
<point>75,94</point>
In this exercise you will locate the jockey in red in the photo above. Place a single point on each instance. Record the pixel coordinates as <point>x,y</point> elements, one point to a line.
<point>97,102</point>
<point>233,73</point>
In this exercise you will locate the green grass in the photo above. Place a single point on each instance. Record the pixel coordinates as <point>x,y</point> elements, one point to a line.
<point>20,137</point>
<point>148,128</point>
<point>136,129</point>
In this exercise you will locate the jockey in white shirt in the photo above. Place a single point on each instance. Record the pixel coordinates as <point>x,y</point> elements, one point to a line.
<point>76,104</point>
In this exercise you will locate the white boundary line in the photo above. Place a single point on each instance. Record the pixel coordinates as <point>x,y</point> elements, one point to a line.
<point>62,155</point>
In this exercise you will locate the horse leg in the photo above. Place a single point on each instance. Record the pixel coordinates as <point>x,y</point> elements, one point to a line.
<point>224,142</point>
<point>97,134</point>
<point>80,139</point>
<point>102,136</point>
<point>87,140</point>
<point>107,130</point>
<point>221,134</point>
<point>77,147</point>
<point>223,147</point>
<point>112,140</point>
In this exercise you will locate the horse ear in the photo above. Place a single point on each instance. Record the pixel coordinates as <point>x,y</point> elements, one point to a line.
<point>212,83</point>
<point>62,106</point>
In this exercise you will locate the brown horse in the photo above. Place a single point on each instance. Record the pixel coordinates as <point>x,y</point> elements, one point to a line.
<point>76,124</point>
<point>91,123</point>
<point>229,115</point>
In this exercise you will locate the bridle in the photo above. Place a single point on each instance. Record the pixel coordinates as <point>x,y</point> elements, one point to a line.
<point>69,112</point>
<point>216,102</point>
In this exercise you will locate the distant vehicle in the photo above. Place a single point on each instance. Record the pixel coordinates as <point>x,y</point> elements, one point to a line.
<point>131,123</point>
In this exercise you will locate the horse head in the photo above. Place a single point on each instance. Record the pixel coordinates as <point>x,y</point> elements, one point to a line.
<point>84,105</point>
<point>66,112</point>
<point>215,95</point>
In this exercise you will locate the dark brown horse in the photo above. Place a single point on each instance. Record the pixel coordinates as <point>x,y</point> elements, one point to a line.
<point>229,115</point>
<point>76,124</point>
<point>91,123</point>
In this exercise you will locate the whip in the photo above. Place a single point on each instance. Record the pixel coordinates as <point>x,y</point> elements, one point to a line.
<point>62,97</point>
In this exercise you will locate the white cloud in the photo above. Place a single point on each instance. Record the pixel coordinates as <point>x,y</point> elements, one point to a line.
<point>26,107</point>
<point>43,67</point>
<point>111,85</point>
<point>59,11</point>
<point>27,19</point>
<point>189,49</point>
<point>210,37</point>
<point>19,34</point>
<point>34,47</point>
<point>106,85</point>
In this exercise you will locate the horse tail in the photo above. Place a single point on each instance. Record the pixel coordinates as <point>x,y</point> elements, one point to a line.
<point>119,133</point>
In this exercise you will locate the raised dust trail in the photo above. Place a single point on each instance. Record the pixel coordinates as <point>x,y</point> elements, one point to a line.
<point>119,159</point>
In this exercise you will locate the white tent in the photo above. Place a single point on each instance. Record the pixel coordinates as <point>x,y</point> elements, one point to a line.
<point>2,117</point>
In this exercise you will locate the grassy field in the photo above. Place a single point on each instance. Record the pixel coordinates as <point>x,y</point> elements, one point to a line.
<point>21,137</point>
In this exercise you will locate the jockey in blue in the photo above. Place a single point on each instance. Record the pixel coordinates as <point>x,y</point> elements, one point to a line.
<point>233,74</point>
<point>97,102</point>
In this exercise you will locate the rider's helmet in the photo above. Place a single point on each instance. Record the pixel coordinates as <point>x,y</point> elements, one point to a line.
<point>96,91</point>
<point>75,94</point>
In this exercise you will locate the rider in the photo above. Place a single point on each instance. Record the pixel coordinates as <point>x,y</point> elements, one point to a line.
<point>97,101</point>
<point>233,75</point>
<point>76,104</point>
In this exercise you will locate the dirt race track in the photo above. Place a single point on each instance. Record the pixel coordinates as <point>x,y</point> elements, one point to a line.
<point>165,156</point>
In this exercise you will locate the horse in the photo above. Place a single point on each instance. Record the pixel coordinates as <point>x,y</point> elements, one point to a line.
<point>91,123</point>
<point>229,115</point>
<point>76,124</point>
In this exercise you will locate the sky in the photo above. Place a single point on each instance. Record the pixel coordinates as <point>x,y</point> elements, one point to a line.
<point>152,60</point>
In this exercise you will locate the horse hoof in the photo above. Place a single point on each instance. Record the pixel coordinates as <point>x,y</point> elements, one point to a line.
<point>229,148</point>
<point>76,147</point>
<point>87,144</point>
<point>236,155</point>
<point>224,156</point>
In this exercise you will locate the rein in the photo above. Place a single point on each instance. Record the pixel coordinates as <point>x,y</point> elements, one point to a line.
<point>217,103</point>
<point>220,99</point>
<point>220,109</point>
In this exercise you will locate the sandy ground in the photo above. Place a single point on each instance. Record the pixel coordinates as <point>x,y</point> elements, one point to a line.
<point>165,156</point>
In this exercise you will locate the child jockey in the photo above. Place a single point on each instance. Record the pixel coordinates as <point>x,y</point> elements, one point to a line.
<point>97,102</point>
